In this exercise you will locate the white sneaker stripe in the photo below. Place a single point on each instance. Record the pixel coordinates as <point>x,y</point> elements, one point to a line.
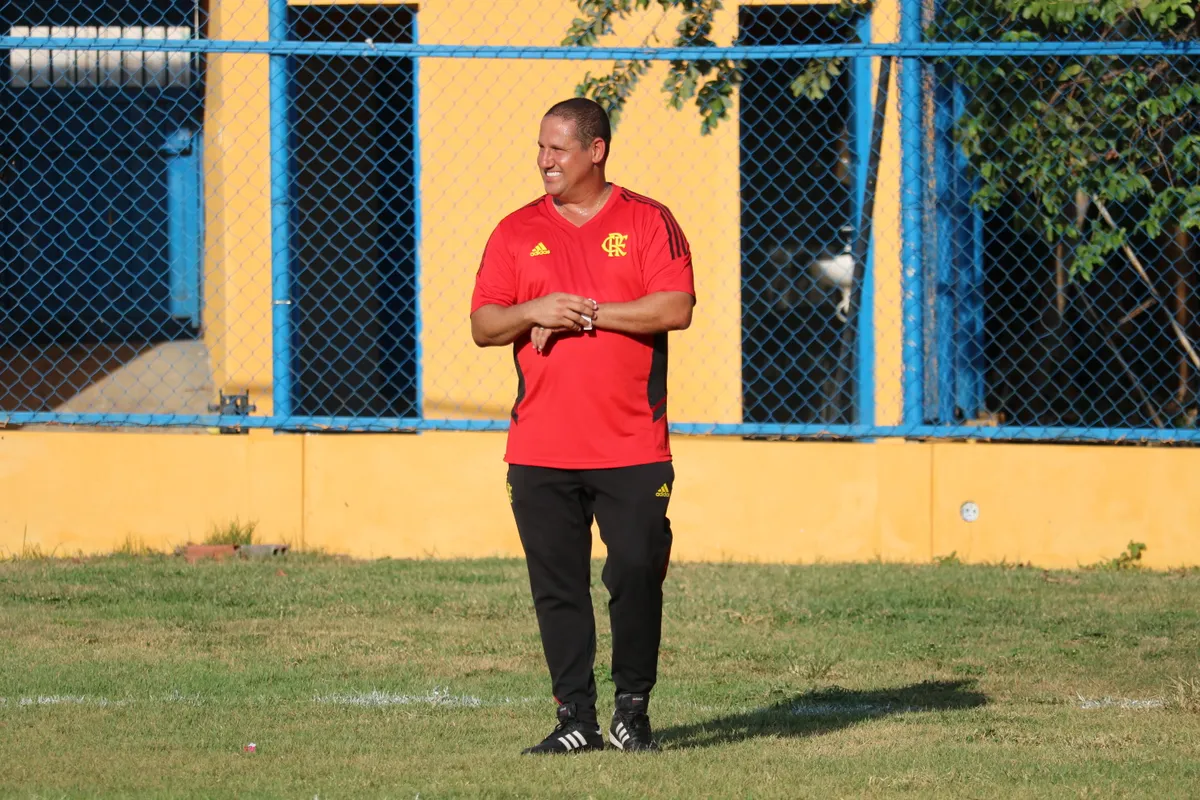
<point>582,738</point>
<point>568,742</point>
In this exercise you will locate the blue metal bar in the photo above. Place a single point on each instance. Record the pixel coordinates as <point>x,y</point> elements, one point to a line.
<point>998,433</point>
<point>281,300</point>
<point>911,195</point>
<point>969,344</point>
<point>192,242</point>
<point>863,112</point>
<point>418,317</point>
<point>314,423</point>
<point>906,48</point>
<point>946,301</point>
<point>408,424</point>
<point>183,225</point>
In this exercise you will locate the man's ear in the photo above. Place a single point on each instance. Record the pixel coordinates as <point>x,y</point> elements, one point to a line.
<point>599,150</point>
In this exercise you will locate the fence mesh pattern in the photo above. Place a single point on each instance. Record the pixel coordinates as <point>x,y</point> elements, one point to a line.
<point>961,218</point>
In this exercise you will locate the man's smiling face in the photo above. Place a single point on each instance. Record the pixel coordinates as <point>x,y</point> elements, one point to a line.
<point>563,161</point>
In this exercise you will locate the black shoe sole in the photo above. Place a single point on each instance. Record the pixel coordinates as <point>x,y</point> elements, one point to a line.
<point>585,749</point>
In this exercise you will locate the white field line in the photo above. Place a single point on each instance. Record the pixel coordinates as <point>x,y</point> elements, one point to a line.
<point>444,698</point>
<point>62,700</point>
<point>872,709</point>
<point>868,709</point>
<point>1120,702</point>
<point>439,697</point>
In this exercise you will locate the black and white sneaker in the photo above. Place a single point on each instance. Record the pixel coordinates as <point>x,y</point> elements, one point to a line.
<point>630,729</point>
<point>570,736</point>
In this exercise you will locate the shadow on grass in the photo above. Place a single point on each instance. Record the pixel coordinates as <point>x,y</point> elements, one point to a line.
<point>823,711</point>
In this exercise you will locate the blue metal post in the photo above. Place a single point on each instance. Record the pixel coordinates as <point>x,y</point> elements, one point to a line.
<point>911,192</point>
<point>409,424</point>
<point>418,319</point>
<point>945,304</point>
<point>281,301</point>
<point>969,347</point>
<point>183,224</point>
<point>862,110</point>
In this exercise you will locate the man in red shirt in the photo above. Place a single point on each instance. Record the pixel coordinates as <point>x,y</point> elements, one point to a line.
<point>584,283</point>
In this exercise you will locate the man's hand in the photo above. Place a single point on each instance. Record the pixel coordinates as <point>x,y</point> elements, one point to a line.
<point>562,312</point>
<point>493,325</point>
<point>566,308</point>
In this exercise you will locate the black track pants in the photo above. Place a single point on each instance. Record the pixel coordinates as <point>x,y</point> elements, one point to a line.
<point>554,510</point>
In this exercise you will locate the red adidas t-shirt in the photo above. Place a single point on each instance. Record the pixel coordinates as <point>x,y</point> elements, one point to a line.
<point>596,399</point>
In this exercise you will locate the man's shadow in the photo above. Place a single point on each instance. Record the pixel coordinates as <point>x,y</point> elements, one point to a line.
<point>822,711</point>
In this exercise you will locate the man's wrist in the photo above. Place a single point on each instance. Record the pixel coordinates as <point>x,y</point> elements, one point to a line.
<point>527,319</point>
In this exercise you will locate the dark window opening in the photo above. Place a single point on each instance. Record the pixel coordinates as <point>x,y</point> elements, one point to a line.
<point>353,217</point>
<point>797,188</point>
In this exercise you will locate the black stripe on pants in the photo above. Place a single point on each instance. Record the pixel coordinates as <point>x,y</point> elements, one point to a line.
<point>554,509</point>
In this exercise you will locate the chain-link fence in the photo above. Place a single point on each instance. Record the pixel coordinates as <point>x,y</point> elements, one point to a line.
<point>968,218</point>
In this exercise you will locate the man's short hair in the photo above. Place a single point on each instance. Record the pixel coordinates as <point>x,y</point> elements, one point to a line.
<point>591,121</point>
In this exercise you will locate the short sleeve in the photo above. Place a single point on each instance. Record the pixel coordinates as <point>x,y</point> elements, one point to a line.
<point>495,281</point>
<point>667,259</point>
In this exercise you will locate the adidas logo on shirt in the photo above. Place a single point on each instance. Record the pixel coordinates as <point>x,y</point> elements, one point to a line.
<point>540,250</point>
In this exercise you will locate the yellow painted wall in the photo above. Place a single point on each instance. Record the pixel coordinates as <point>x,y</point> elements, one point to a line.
<point>1066,504</point>
<point>888,312</point>
<point>85,491</point>
<point>237,219</point>
<point>442,495</point>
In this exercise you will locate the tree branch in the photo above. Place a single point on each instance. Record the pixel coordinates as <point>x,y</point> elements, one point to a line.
<point>1137,265</point>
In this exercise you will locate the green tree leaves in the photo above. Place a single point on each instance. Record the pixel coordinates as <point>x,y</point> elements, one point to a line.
<point>1040,132</point>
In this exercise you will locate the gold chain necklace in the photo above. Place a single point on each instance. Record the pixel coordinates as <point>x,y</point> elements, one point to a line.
<point>562,208</point>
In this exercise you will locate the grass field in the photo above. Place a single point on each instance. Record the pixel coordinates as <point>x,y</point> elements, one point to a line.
<point>146,676</point>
